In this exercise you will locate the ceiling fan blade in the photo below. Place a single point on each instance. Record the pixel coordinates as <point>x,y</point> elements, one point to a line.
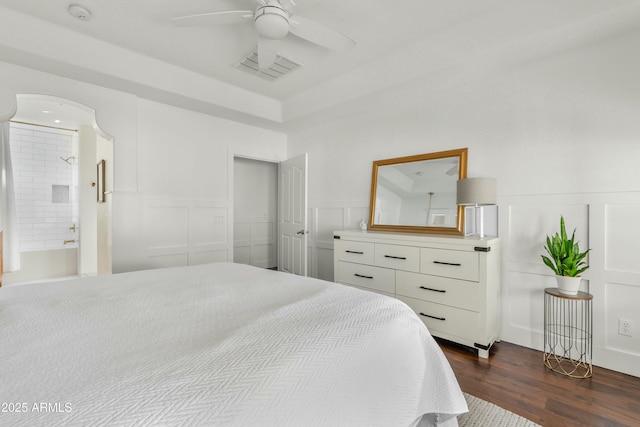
<point>267,52</point>
<point>214,18</point>
<point>319,34</point>
<point>288,4</point>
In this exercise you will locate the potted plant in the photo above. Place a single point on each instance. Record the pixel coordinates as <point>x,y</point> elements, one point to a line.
<point>566,260</point>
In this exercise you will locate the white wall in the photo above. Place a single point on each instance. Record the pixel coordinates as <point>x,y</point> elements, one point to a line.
<point>560,134</point>
<point>186,182</point>
<point>172,200</point>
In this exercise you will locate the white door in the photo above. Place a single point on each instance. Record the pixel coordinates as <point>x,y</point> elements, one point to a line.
<point>292,215</point>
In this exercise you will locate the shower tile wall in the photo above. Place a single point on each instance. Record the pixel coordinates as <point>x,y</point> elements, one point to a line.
<point>45,185</point>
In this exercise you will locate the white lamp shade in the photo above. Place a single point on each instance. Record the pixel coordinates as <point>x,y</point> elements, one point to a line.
<point>477,192</point>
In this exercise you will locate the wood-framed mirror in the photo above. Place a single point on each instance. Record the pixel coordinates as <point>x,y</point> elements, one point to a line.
<point>417,194</point>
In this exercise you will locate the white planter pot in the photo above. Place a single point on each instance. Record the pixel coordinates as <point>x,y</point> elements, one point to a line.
<point>568,285</point>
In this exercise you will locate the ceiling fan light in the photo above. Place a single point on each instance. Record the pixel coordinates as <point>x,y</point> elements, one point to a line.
<point>272,22</point>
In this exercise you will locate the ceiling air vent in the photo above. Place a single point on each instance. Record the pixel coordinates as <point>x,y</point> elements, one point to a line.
<point>280,68</point>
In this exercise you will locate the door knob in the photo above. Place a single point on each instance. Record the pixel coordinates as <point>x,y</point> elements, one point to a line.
<point>302,232</point>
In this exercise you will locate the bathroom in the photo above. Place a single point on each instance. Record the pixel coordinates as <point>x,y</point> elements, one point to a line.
<point>56,194</point>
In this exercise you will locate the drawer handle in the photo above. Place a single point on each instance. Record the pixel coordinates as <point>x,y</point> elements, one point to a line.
<point>355,252</point>
<point>364,277</point>
<point>395,257</point>
<point>433,317</point>
<point>442,291</point>
<point>448,263</point>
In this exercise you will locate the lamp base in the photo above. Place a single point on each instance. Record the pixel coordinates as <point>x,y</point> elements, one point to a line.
<point>477,224</point>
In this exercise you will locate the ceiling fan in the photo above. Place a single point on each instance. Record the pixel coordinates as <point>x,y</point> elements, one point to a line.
<point>273,21</point>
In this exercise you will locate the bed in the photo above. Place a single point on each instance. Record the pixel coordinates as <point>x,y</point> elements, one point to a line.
<point>219,344</point>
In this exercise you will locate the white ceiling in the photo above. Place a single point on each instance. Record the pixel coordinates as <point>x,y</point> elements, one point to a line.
<point>396,40</point>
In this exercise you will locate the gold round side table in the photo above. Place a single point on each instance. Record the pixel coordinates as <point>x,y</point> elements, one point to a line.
<point>568,337</point>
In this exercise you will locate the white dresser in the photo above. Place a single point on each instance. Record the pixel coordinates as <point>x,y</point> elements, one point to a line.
<point>451,282</point>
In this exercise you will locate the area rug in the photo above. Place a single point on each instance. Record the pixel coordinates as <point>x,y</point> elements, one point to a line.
<point>482,414</point>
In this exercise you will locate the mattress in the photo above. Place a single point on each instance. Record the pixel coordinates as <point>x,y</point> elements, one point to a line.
<point>220,345</point>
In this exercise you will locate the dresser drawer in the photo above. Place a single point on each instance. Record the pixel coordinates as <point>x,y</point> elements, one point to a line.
<point>441,290</point>
<point>442,318</point>
<point>449,263</point>
<point>360,252</point>
<point>398,257</point>
<point>366,276</point>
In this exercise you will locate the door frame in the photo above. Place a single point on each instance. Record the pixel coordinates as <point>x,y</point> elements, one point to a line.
<point>232,193</point>
<point>232,154</point>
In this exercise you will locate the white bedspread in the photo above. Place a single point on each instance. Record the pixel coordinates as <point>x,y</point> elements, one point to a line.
<point>218,344</point>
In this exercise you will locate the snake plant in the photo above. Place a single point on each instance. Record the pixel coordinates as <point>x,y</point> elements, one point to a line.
<point>565,258</point>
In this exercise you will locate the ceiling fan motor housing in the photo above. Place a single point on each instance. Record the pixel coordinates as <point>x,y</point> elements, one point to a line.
<point>272,22</point>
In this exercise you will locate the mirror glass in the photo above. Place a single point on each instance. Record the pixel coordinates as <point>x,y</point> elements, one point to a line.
<point>418,193</point>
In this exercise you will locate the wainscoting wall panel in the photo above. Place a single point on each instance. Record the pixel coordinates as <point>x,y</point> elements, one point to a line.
<point>241,232</point>
<point>171,238</point>
<point>206,257</point>
<point>622,303</point>
<point>606,223</point>
<point>324,258</point>
<point>199,232</point>
<point>529,224</point>
<point>622,276</point>
<point>525,276</point>
<point>621,223</point>
<point>324,219</point>
<point>207,226</point>
<point>171,260</point>
<point>255,241</point>
<point>327,220</point>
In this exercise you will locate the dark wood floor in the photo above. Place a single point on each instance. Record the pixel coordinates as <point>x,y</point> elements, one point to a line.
<point>515,378</point>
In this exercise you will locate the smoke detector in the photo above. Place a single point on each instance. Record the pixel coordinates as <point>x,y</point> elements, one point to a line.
<point>79,12</point>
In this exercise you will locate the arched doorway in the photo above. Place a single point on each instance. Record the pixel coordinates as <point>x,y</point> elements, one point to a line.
<point>63,170</point>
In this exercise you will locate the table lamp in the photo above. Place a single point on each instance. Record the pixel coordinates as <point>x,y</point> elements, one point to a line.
<point>477,192</point>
